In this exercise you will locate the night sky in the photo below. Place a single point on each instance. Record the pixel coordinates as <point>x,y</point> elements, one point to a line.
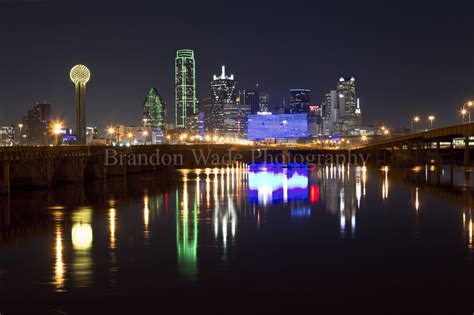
<point>413,58</point>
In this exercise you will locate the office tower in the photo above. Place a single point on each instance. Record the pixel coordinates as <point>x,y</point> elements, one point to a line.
<point>346,90</point>
<point>330,112</point>
<point>235,119</point>
<point>7,135</point>
<point>264,102</point>
<point>194,123</point>
<point>299,101</point>
<point>80,75</point>
<point>314,120</point>
<point>36,124</point>
<point>223,94</point>
<point>250,98</point>
<point>185,86</point>
<point>206,105</point>
<point>242,121</point>
<point>154,111</point>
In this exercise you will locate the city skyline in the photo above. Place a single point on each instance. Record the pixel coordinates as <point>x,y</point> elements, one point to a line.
<point>121,76</point>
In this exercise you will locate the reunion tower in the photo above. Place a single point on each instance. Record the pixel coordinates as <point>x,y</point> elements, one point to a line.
<point>80,75</point>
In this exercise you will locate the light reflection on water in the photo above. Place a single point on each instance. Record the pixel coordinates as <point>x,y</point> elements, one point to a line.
<point>210,211</point>
<point>82,238</point>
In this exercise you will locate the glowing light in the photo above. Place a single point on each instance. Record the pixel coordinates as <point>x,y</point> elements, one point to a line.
<point>112,227</point>
<point>56,127</point>
<point>417,199</point>
<point>59,267</point>
<point>470,234</point>
<point>80,74</point>
<point>146,216</point>
<point>110,130</point>
<point>314,194</point>
<point>186,235</point>
<point>81,236</point>
<point>385,183</point>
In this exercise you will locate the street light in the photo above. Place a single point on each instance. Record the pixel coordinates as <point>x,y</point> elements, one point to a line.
<point>130,136</point>
<point>110,132</point>
<point>415,120</point>
<point>20,126</point>
<point>431,118</point>
<point>56,129</point>
<point>465,112</point>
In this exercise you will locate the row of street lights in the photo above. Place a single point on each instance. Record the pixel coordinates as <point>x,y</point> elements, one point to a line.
<point>417,119</point>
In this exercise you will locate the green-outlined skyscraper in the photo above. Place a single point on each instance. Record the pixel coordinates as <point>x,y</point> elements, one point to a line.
<point>185,82</point>
<point>154,110</point>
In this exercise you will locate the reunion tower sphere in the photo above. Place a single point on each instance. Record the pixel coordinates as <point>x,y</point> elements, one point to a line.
<point>80,74</point>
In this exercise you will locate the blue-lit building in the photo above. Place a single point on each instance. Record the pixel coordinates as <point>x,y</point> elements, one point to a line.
<point>264,126</point>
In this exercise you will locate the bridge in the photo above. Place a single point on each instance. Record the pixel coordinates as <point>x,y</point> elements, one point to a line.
<point>25,166</point>
<point>422,147</point>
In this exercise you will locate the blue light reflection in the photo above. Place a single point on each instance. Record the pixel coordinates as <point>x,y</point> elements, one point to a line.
<point>271,183</point>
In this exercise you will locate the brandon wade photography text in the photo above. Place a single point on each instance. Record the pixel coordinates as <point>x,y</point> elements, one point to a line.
<point>206,157</point>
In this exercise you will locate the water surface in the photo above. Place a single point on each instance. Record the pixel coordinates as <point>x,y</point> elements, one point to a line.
<point>244,239</point>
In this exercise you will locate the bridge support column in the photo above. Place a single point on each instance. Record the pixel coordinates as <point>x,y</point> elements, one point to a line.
<point>466,151</point>
<point>421,152</point>
<point>451,175</point>
<point>451,153</point>
<point>393,158</point>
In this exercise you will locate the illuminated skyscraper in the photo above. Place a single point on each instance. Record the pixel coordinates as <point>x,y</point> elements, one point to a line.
<point>299,101</point>
<point>264,102</point>
<point>223,96</point>
<point>80,75</point>
<point>314,120</point>
<point>154,111</point>
<point>207,110</point>
<point>250,98</point>
<point>330,112</point>
<point>7,135</point>
<point>185,81</point>
<point>341,108</point>
<point>347,99</point>
<point>36,124</point>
